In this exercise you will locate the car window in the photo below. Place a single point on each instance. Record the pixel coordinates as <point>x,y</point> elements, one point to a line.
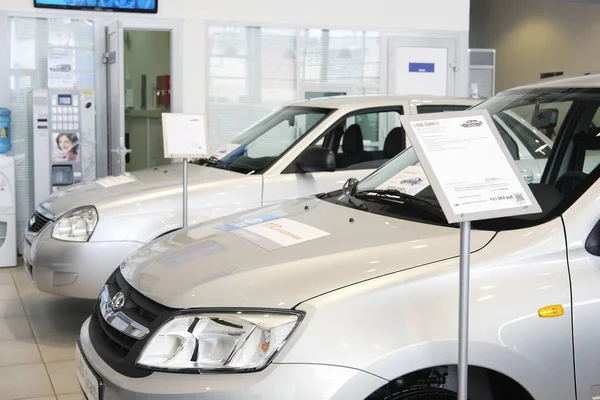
<point>366,141</point>
<point>533,140</point>
<point>571,166</point>
<point>592,145</point>
<point>277,139</point>
<point>527,112</point>
<point>264,142</point>
<point>435,108</point>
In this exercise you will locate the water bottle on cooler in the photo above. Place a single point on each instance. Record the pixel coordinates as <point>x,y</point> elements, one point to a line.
<point>4,130</point>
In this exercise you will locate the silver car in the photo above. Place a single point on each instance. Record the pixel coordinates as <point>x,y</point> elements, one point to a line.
<point>354,294</point>
<point>78,236</point>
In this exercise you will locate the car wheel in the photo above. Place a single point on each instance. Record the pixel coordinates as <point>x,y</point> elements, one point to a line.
<point>423,394</point>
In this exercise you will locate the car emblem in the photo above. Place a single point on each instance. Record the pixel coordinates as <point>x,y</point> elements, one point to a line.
<point>32,221</point>
<point>117,302</point>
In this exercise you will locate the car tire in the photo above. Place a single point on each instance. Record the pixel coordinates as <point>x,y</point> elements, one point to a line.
<point>423,394</point>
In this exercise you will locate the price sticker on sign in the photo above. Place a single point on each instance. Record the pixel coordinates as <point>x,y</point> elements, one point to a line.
<point>411,180</point>
<point>469,166</point>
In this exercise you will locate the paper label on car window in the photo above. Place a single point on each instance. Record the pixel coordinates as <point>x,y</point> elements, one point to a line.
<point>278,233</point>
<point>225,150</point>
<point>111,181</point>
<point>411,180</point>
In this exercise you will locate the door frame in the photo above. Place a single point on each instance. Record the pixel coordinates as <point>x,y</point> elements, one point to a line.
<point>176,28</point>
<point>448,42</point>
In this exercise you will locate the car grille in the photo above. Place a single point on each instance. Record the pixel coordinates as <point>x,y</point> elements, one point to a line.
<point>39,222</point>
<point>115,348</point>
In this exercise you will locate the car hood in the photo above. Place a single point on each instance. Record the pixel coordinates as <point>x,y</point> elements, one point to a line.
<point>157,182</point>
<point>222,264</point>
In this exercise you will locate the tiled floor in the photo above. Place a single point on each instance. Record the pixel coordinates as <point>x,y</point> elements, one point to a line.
<point>37,340</point>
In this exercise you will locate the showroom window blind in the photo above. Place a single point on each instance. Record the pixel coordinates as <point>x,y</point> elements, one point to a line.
<point>30,41</point>
<point>340,57</point>
<point>253,69</point>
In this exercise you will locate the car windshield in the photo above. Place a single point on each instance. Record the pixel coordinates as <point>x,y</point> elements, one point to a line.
<point>533,120</point>
<point>259,146</point>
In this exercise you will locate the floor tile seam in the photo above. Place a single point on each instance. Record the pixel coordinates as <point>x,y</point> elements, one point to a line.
<point>34,338</point>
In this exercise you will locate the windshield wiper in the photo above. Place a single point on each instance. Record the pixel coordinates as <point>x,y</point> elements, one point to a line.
<point>215,162</point>
<point>432,207</point>
<point>349,191</point>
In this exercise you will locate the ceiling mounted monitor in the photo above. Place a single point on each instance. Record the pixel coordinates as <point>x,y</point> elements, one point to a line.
<point>138,6</point>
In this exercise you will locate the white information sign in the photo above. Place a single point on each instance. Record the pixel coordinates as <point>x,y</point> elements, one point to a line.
<point>185,136</point>
<point>468,165</point>
<point>287,232</point>
<point>411,180</point>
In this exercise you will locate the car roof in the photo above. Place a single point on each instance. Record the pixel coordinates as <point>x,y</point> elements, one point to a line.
<point>370,101</point>
<point>588,80</point>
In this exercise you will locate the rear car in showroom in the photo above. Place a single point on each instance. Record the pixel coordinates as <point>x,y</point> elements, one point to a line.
<point>354,294</point>
<point>78,236</point>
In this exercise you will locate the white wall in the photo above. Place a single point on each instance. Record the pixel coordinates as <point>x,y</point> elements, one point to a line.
<point>531,37</point>
<point>392,15</point>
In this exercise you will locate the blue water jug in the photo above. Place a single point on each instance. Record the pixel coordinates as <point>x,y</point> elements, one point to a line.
<point>4,130</point>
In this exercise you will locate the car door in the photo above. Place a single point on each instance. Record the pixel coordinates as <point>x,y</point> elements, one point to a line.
<point>373,124</point>
<point>582,227</point>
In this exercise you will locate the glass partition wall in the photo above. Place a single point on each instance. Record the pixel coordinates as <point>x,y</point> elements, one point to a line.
<point>31,40</point>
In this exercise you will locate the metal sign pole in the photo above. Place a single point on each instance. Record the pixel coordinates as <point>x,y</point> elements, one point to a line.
<point>467,133</point>
<point>463,313</point>
<point>185,192</point>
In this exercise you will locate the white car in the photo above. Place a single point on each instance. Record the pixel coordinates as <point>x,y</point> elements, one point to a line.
<point>354,294</point>
<point>78,236</point>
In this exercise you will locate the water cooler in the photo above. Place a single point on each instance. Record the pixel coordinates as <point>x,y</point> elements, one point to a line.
<point>8,224</point>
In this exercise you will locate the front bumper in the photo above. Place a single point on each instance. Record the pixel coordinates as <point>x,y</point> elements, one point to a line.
<point>278,381</point>
<point>72,269</point>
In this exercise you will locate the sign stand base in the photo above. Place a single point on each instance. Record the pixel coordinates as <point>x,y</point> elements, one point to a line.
<point>463,313</point>
<point>185,192</point>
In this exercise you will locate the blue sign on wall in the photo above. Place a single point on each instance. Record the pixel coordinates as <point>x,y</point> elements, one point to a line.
<point>421,67</point>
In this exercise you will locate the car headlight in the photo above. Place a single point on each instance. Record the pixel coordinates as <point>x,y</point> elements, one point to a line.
<point>77,225</point>
<point>234,342</point>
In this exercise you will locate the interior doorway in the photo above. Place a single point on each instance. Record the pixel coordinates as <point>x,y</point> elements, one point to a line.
<point>139,91</point>
<point>147,59</point>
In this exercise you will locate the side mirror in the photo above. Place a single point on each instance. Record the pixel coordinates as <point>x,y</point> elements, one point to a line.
<point>316,159</point>
<point>545,119</point>
<point>592,244</point>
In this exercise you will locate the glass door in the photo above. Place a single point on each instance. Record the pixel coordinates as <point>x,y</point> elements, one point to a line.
<point>139,91</point>
<point>116,120</point>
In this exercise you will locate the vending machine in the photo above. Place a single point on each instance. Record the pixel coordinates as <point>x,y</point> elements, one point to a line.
<point>62,120</point>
